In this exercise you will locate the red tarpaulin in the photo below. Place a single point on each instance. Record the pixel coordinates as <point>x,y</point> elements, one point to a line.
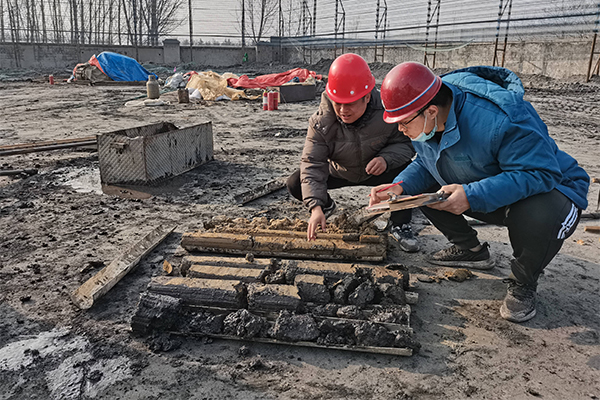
<point>262,81</point>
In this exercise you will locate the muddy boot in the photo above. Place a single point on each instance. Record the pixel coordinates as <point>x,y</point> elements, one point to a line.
<point>519,303</point>
<point>405,237</point>
<point>456,257</point>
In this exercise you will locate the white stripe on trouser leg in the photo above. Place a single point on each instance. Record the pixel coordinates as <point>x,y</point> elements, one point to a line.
<point>568,223</point>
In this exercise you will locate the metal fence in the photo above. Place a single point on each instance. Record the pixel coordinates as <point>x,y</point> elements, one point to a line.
<point>427,25</point>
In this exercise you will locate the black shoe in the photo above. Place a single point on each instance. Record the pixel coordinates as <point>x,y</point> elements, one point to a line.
<point>455,257</point>
<point>519,303</point>
<point>330,209</point>
<point>405,237</point>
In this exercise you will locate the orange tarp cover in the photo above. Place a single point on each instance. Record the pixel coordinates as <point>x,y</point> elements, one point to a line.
<point>263,81</point>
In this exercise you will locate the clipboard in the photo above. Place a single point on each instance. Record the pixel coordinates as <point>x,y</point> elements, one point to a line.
<point>404,202</point>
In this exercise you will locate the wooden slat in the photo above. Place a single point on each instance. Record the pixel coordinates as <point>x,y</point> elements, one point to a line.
<point>593,229</point>
<point>196,291</point>
<point>347,237</point>
<point>232,262</point>
<point>98,285</point>
<point>395,351</point>
<point>24,148</point>
<point>260,191</point>
<point>13,172</point>
<point>285,247</point>
<point>226,273</point>
<point>272,316</point>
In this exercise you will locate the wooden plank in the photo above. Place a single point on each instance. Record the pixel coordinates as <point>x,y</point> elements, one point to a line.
<point>259,191</point>
<point>331,270</point>
<point>272,316</point>
<point>24,148</point>
<point>108,83</point>
<point>396,351</point>
<point>271,297</point>
<point>226,273</point>
<point>285,247</point>
<point>388,325</point>
<point>13,172</point>
<point>232,262</point>
<point>191,241</point>
<point>226,294</point>
<point>592,229</point>
<point>98,285</point>
<point>348,237</point>
<point>591,215</point>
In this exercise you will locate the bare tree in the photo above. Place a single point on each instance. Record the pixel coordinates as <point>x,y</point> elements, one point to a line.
<point>150,18</point>
<point>260,15</point>
<point>159,18</point>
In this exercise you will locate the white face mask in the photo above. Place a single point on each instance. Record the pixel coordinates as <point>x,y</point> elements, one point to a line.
<point>423,137</point>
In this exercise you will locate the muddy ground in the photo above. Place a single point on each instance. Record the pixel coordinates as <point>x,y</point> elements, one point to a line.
<point>59,228</point>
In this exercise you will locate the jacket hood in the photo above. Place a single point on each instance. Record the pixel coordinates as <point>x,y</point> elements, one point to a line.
<point>499,85</point>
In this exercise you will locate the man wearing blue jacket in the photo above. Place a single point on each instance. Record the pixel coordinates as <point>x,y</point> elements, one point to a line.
<point>481,143</point>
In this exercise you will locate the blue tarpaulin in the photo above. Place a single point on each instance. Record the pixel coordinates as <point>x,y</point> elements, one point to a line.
<point>122,68</point>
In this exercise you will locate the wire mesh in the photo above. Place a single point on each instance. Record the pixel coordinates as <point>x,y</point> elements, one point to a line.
<point>305,22</point>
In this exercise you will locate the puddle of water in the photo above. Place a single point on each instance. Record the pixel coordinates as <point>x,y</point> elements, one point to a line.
<point>83,180</point>
<point>87,180</point>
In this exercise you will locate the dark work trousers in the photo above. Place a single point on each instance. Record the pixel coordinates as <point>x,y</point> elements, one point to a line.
<point>398,217</point>
<point>537,227</point>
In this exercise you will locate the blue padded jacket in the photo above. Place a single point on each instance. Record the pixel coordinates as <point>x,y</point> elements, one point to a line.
<point>495,145</point>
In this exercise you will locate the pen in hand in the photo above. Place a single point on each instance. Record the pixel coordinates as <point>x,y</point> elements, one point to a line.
<point>387,187</point>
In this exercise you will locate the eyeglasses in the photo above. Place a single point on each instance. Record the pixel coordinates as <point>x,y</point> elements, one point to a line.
<point>404,124</point>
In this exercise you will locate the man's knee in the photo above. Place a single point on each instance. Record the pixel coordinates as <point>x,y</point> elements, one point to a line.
<point>552,214</point>
<point>294,186</point>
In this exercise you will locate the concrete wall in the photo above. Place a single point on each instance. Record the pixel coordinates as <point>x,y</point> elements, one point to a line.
<point>556,59</point>
<point>47,56</point>
<point>24,55</point>
<point>216,56</point>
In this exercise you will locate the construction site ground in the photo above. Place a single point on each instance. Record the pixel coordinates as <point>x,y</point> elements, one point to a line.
<point>59,229</point>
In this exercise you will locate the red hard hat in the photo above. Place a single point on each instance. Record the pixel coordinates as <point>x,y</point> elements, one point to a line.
<point>349,79</point>
<point>406,89</point>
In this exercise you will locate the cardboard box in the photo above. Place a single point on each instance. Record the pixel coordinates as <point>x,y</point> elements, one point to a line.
<point>146,154</point>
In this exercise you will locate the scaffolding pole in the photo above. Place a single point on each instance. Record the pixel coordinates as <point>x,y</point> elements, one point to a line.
<point>342,23</point>
<point>306,26</point>
<point>280,32</point>
<point>314,28</point>
<point>501,10</point>
<point>430,15</point>
<point>380,28</point>
<point>596,69</point>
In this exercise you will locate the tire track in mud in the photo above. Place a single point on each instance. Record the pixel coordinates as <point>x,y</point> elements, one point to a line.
<point>572,106</point>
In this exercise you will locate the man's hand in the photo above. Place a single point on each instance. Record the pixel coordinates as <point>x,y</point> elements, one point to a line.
<point>457,203</point>
<point>317,217</point>
<point>378,195</point>
<point>376,166</point>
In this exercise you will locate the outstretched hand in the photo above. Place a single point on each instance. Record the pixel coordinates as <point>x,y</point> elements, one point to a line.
<point>317,218</point>
<point>457,203</point>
